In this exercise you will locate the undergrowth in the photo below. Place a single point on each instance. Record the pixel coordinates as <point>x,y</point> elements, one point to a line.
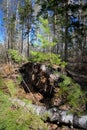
<point>73,94</point>
<point>11,87</point>
<point>1,82</point>
<point>14,117</point>
<point>16,56</point>
<point>50,58</point>
<point>17,118</point>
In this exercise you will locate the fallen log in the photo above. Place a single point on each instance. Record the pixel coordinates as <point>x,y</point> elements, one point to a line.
<point>54,114</point>
<point>79,78</point>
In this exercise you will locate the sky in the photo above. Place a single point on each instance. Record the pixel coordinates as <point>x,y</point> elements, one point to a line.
<point>1,23</point>
<point>1,26</point>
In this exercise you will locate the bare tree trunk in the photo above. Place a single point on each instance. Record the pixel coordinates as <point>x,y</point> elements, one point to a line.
<point>11,40</point>
<point>28,53</point>
<point>55,115</point>
<point>17,30</point>
<point>22,41</point>
<point>8,46</point>
<point>66,32</point>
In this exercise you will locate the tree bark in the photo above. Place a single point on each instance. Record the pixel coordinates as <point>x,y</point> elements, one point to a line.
<point>22,41</point>
<point>66,32</point>
<point>8,46</point>
<point>28,45</point>
<point>54,114</point>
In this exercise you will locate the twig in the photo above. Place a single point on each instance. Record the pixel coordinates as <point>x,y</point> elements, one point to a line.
<point>28,88</point>
<point>26,85</point>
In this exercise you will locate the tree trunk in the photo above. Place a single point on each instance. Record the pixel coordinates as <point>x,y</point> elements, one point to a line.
<point>54,114</point>
<point>8,46</point>
<point>22,41</point>
<point>66,32</point>
<point>28,45</point>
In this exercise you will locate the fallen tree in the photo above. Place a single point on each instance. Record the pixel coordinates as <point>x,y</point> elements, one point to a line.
<point>52,82</point>
<point>77,76</point>
<point>54,114</point>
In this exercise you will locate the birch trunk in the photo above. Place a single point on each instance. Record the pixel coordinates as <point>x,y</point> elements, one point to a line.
<point>54,114</point>
<point>8,46</point>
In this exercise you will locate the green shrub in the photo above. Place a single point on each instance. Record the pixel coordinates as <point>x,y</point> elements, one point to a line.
<point>51,58</point>
<point>16,56</point>
<point>19,79</point>
<point>75,97</point>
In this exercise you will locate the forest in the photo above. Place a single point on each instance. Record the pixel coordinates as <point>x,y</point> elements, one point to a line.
<point>43,64</point>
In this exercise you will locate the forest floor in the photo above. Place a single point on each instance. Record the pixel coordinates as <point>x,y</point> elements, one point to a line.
<point>10,73</point>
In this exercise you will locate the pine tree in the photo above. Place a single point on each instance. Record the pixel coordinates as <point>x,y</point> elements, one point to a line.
<point>26,18</point>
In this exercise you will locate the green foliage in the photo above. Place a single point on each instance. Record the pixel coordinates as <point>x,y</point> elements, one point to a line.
<point>16,56</point>
<point>3,101</point>
<point>45,35</point>
<point>1,82</point>
<point>46,43</point>
<point>17,118</point>
<point>13,116</point>
<point>63,64</point>
<point>51,58</point>
<point>11,87</point>
<point>19,79</point>
<point>73,94</point>
<point>44,25</point>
